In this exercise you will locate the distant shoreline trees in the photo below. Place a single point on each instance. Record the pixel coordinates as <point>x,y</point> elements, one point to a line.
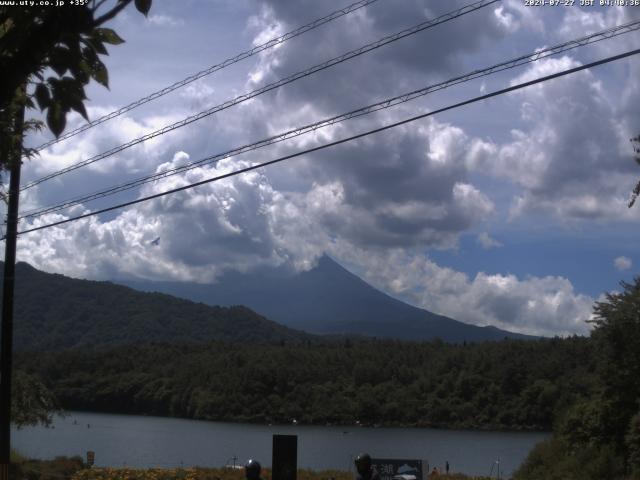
<point>509,385</point>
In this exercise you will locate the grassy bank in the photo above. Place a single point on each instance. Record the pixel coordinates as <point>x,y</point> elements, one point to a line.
<point>64,468</point>
<point>61,468</point>
<point>217,474</point>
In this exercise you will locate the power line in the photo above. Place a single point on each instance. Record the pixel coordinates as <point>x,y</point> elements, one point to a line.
<point>272,86</point>
<point>296,76</point>
<point>339,142</point>
<point>519,61</point>
<point>214,68</point>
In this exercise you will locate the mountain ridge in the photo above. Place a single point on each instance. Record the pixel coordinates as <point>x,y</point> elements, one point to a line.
<point>55,312</point>
<point>327,299</point>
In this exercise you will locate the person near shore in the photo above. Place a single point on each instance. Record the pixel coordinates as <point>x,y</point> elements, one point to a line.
<point>446,467</point>
<point>364,468</point>
<point>252,470</point>
<point>435,472</point>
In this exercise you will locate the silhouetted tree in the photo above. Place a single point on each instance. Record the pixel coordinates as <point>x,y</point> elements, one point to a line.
<point>64,43</point>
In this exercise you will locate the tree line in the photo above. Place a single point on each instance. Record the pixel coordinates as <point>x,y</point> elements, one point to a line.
<point>512,384</point>
<point>598,436</point>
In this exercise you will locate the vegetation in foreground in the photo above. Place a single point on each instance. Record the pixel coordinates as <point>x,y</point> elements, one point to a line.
<point>63,468</point>
<point>599,435</point>
<point>216,474</point>
<point>60,468</point>
<point>195,474</point>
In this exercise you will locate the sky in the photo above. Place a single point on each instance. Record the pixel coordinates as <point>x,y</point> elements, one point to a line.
<point>509,212</point>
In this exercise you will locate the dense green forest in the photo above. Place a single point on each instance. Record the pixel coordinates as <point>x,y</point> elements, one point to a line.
<point>598,436</point>
<point>54,312</point>
<point>512,384</point>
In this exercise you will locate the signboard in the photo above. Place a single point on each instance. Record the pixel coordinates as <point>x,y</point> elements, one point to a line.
<point>401,469</point>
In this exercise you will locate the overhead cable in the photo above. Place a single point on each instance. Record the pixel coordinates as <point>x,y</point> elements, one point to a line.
<point>271,86</point>
<point>214,68</point>
<point>338,142</point>
<point>390,102</point>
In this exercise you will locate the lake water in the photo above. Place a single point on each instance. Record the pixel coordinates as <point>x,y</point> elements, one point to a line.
<point>141,441</point>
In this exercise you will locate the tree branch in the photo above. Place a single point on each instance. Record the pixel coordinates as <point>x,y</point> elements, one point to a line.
<point>111,13</point>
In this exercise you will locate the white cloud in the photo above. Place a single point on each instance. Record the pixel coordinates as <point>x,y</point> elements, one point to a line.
<point>506,19</point>
<point>236,224</point>
<point>161,20</point>
<point>521,16</point>
<point>487,242</point>
<point>390,69</point>
<point>112,134</point>
<point>622,263</point>
<point>571,173</point>
<point>578,22</point>
<point>533,305</point>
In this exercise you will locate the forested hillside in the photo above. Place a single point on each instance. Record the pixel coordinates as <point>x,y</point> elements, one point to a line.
<point>510,384</point>
<point>54,312</point>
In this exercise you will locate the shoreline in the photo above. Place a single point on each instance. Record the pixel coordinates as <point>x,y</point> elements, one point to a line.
<point>485,429</point>
<point>175,442</point>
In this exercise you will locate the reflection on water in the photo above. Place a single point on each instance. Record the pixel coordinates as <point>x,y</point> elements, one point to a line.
<point>141,441</point>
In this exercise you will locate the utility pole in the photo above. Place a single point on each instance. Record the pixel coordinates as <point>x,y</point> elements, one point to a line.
<point>6,328</point>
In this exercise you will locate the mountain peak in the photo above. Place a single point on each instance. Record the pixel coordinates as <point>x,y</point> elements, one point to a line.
<point>328,299</point>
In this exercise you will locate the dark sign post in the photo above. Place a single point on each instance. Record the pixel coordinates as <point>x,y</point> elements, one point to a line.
<point>284,462</point>
<point>387,468</point>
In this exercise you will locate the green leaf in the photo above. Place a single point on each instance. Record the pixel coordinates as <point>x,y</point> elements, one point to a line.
<point>98,46</point>
<point>89,55</point>
<point>78,106</point>
<point>56,119</point>
<point>143,6</point>
<point>60,60</point>
<point>107,35</point>
<point>82,72</point>
<point>100,74</point>
<point>42,96</point>
<point>71,96</point>
<point>58,65</point>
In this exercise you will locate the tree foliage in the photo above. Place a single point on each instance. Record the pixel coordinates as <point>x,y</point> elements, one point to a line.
<point>508,385</point>
<point>599,436</point>
<point>32,402</point>
<point>632,443</point>
<point>48,54</point>
<point>47,57</point>
<point>617,338</point>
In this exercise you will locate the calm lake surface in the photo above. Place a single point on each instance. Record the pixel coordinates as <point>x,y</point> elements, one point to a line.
<point>141,441</point>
